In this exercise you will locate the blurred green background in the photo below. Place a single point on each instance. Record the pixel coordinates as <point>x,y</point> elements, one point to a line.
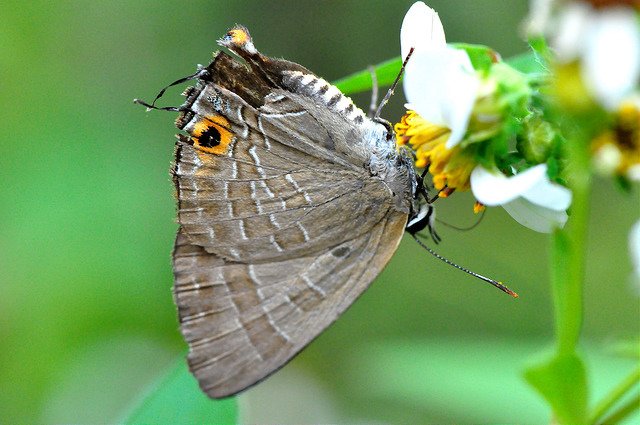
<point>87,322</point>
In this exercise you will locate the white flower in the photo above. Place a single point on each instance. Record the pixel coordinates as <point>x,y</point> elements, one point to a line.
<point>539,13</point>
<point>633,173</point>
<point>606,41</point>
<point>529,197</point>
<point>440,83</point>
<point>634,251</point>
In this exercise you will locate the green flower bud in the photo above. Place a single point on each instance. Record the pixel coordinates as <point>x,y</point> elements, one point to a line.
<point>536,140</point>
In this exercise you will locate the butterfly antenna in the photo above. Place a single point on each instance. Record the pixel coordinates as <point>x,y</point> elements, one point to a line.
<point>393,87</point>
<point>200,73</point>
<point>374,91</point>
<point>495,283</point>
<point>463,229</point>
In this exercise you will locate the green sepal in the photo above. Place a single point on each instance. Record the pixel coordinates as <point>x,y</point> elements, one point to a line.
<point>536,139</point>
<point>482,57</point>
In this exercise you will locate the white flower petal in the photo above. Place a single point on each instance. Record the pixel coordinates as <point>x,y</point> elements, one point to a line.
<point>607,159</point>
<point>539,12</point>
<point>633,173</point>
<point>634,249</point>
<point>442,86</point>
<point>535,217</point>
<point>611,60</point>
<point>421,29</point>
<point>568,32</point>
<point>493,188</point>
<point>463,89</point>
<point>550,195</point>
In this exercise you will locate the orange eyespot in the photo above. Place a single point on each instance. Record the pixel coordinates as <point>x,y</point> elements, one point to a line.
<point>212,134</point>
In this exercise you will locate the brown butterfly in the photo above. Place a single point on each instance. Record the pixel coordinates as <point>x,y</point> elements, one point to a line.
<point>290,202</point>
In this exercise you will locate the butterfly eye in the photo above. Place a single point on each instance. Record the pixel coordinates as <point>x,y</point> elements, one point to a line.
<point>212,134</point>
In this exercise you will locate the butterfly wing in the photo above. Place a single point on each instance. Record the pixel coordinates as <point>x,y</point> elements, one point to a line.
<point>243,321</point>
<point>282,222</point>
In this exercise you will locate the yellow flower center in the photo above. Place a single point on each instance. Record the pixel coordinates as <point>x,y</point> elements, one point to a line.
<point>617,150</point>
<point>450,168</point>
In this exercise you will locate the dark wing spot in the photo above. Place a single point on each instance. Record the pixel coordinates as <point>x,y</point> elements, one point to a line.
<point>210,138</point>
<point>340,252</point>
<point>334,100</point>
<point>295,81</point>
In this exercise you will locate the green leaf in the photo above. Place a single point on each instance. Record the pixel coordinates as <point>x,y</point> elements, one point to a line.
<point>176,399</point>
<point>623,411</point>
<point>540,47</point>
<point>527,63</point>
<point>614,396</point>
<point>482,57</point>
<point>386,73</point>
<point>562,381</point>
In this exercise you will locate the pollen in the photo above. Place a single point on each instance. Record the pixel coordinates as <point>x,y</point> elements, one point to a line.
<point>478,207</point>
<point>449,168</point>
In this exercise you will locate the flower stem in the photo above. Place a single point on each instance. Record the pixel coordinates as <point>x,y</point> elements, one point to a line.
<point>623,412</point>
<point>568,252</point>
<point>614,396</point>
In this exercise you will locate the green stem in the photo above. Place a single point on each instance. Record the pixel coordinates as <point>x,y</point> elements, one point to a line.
<point>568,251</point>
<point>624,411</point>
<point>615,395</point>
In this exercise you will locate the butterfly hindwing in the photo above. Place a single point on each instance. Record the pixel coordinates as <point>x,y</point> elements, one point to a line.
<point>243,321</point>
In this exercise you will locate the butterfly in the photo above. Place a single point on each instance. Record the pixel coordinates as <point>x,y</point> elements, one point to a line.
<point>290,202</point>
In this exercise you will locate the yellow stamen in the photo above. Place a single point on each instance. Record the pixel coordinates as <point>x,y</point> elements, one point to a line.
<point>450,168</point>
<point>478,207</point>
<point>444,193</point>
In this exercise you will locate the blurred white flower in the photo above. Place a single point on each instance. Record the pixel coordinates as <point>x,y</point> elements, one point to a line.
<point>634,251</point>
<point>439,82</point>
<point>529,197</point>
<point>616,151</point>
<point>605,40</point>
<point>539,14</point>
